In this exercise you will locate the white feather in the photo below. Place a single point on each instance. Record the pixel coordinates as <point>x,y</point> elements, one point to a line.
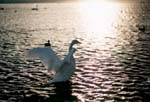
<point>47,56</point>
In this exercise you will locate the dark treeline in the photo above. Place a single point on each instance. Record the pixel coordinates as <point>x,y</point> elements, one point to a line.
<point>32,1</point>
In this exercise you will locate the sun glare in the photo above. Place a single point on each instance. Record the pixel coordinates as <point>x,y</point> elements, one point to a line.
<point>98,17</point>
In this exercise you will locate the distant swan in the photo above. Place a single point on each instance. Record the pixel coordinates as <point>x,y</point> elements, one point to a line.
<point>48,43</point>
<point>63,69</point>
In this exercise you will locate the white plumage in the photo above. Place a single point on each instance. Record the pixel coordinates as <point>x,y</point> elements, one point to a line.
<point>64,69</point>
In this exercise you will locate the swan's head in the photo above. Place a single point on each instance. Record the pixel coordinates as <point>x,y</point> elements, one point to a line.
<point>73,43</point>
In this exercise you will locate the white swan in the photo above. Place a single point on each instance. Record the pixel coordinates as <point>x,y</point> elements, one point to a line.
<point>63,69</point>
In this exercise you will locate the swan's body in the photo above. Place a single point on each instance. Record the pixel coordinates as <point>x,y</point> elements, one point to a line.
<point>64,69</point>
<point>67,68</point>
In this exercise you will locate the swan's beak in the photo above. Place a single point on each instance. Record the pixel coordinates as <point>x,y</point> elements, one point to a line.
<point>78,42</point>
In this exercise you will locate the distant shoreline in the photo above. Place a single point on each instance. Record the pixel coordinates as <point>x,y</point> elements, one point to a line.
<point>67,1</point>
<point>35,1</point>
<point>64,1</point>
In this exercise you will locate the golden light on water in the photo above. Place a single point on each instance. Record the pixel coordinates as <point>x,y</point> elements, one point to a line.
<point>98,17</point>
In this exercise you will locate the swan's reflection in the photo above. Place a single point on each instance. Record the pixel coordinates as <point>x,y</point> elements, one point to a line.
<point>63,93</point>
<point>60,92</point>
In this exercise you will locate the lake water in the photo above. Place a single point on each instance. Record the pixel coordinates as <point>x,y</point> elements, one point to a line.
<point>112,63</point>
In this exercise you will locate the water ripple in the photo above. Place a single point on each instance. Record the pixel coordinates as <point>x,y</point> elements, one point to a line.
<point>111,67</point>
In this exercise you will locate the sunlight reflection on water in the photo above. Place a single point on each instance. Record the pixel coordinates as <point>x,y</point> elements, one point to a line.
<point>98,17</point>
<point>112,61</point>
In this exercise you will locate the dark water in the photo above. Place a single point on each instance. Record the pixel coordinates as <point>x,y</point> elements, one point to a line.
<point>112,61</point>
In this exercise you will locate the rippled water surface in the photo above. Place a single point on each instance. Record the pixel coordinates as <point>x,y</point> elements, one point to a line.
<point>112,63</point>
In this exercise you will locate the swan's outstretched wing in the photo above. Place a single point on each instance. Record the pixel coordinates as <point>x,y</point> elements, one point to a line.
<point>47,56</point>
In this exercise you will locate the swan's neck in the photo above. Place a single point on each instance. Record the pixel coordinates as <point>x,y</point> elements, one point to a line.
<point>70,53</point>
<point>70,47</point>
<point>69,56</point>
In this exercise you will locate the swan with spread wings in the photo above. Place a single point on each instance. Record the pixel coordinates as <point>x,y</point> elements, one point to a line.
<point>63,69</point>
